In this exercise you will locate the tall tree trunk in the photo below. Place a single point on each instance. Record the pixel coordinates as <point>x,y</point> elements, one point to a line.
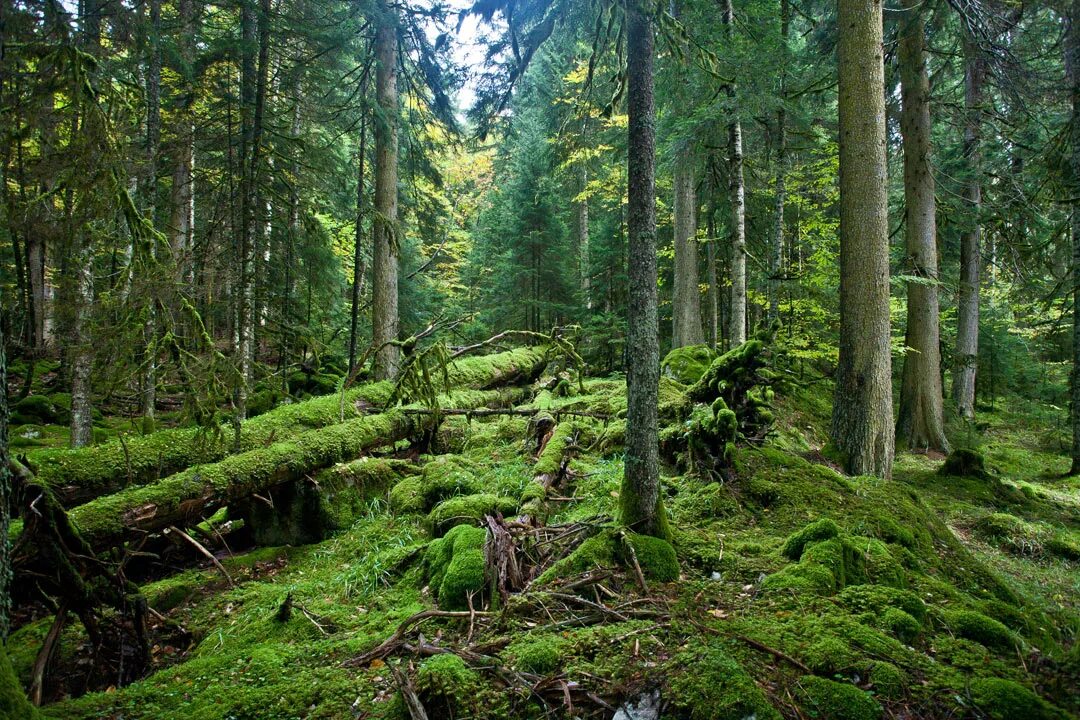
<point>862,427</point>
<point>776,252</point>
<point>920,423</point>
<point>639,499</point>
<point>737,190</point>
<point>358,246</point>
<point>686,303</point>
<point>384,256</point>
<point>967,306</point>
<point>582,207</point>
<point>712,312</point>
<point>1073,68</point>
<point>182,197</point>
<point>153,143</point>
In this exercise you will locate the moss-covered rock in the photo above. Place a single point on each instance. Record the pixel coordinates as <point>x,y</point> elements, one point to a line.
<point>444,681</point>
<point>467,510</point>
<point>455,566</point>
<point>13,702</point>
<point>541,655</point>
<point>656,557</point>
<point>888,680</point>
<point>964,462</point>
<point>830,700</point>
<point>980,628</point>
<point>818,530</point>
<point>687,364</point>
<point>901,625</point>
<point>709,684</point>
<point>1007,700</point>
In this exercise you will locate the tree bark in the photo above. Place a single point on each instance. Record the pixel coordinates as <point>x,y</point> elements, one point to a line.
<point>639,499</point>
<point>737,190</point>
<point>862,427</point>
<point>384,260</point>
<point>776,252</point>
<point>584,269</point>
<point>1073,69</point>
<point>686,303</point>
<point>712,316</point>
<point>182,196</point>
<point>358,246</point>
<point>153,143</point>
<point>967,306</point>
<point>920,423</point>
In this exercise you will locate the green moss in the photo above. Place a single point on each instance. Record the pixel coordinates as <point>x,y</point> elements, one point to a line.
<point>818,530</point>
<point>445,681</point>
<point>964,462</point>
<point>13,702</point>
<point>903,626</point>
<point>595,552</point>
<point>876,599</point>
<point>836,700</point>
<point>407,496</point>
<point>887,679</point>
<point>467,509</point>
<point>687,364</point>
<point>829,656</point>
<point>455,566</point>
<point>709,684</point>
<point>655,556</point>
<point>541,655</point>
<point>1007,700</point>
<point>980,628</point>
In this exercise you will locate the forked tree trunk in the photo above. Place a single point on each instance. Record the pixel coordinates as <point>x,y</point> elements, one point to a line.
<point>920,424</point>
<point>967,306</point>
<point>686,303</point>
<point>639,499</point>
<point>737,190</point>
<point>384,256</point>
<point>862,427</point>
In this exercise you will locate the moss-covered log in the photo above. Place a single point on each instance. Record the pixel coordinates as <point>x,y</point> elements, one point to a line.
<point>77,476</point>
<point>198,491</point>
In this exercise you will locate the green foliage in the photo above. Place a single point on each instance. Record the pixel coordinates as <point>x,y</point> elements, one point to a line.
<point>708,684</point>
<point>1007,700</point>
<point>837,701</point>
<point>982,629</point>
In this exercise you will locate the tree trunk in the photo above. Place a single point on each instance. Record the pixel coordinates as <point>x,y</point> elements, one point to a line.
<point>920,424</point>
<point>1073,68</point>
<point>862,427</point>
<point>776,252</point>
<point>686,302</point>
<point>153,142</point>
<point>358,246</point>
<point>584,270</point>
<point>384,256</point>
<point>713,297</point>
<point>182,197</point>
<point>967,306</point>
<point>639,499</point>
<point>737,190</point>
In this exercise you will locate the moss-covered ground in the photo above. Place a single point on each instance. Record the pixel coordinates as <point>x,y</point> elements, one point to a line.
<point>798,593</point>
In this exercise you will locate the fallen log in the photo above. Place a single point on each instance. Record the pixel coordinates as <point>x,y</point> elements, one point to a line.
<point>78,476</point>
<point>199,491</point>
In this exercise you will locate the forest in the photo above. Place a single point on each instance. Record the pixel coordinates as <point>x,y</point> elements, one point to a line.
<point>620,359</point>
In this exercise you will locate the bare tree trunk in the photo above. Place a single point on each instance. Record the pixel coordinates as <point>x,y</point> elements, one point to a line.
<point>639,499</point>
<point>862,427</point>
<point>582,207</point>
<point>686,302</point>
<point>1072,65</point>
<point>35,257</point>
<point>358,246</point>
<point>153,143</point>
<point>384,260</point>
<point>713,298</point>
<point>920,423</point>
<point>776,252</point>
<point>182,199</point>
<point>967,306</point>
<point>737,189</point>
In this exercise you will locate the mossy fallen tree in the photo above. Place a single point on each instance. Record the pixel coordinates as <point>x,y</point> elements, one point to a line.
<point>77,476</point>
<point>199,491</point>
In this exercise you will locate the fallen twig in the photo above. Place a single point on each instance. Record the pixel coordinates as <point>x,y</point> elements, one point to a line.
<point>202,549</point>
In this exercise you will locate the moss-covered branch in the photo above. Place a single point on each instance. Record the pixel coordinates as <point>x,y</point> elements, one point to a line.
<point>77,476</point>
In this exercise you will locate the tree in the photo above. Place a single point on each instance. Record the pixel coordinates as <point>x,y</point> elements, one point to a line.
<point>686,299</point>
<point>639,499</point>
<point>384,257</point>
<point>1073,69</point>
<point>920,422</point>
<point>737,190</point>
<point>776,251</point>
<point>862,428</point>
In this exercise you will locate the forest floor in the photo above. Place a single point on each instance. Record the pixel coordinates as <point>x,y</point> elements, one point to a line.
<point>799,592</point>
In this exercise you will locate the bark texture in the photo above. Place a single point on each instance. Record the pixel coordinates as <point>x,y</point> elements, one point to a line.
<point>737,190</point>
<point>920,424</point>
<point>358,247</point>
<point>686,302</point>
<point>862,428</point>
<point>639,499</point>
<point>967,304</point>
<point>1073,67</point>
<point>776,250</point>
<point>384,256</point>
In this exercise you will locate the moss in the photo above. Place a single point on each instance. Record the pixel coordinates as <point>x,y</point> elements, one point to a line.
<point>709,684</point>
<point>407,496</point>
<point>687,364</point>
<point>876,599</point>
<point>836,700</point>
<point>888,680</point>
<point>13,702</point>
<point>595,552</point>
<point>467,509</point>
<point>455,566</point>
<point>1007,700</point>
<point>533,492</point>
<point>541,655</point>
<point>830,656</point>
<point>656,557</point>
<point>40,409</point>
<point>980,628</point>
<point>964,462</point>
<point>1064,546</point>
<point>901,625</point>
<point>818,530</point>
<point>830,565</point>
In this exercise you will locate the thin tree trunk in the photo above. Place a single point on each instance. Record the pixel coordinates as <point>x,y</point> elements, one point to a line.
<point>967,306</point>
<point>639,499</point>
<point>713,297</point>
<point>358,245</point>
<point>862,427</point>
<point>776,252</point>
<point>182,198</point>
<point>686,303</point>
<point>582,207</point>
<point>153,143</point>
<point>384,261</point>
<point>1073,69</point>
<point>920,423</point>
<point>737,190</point>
